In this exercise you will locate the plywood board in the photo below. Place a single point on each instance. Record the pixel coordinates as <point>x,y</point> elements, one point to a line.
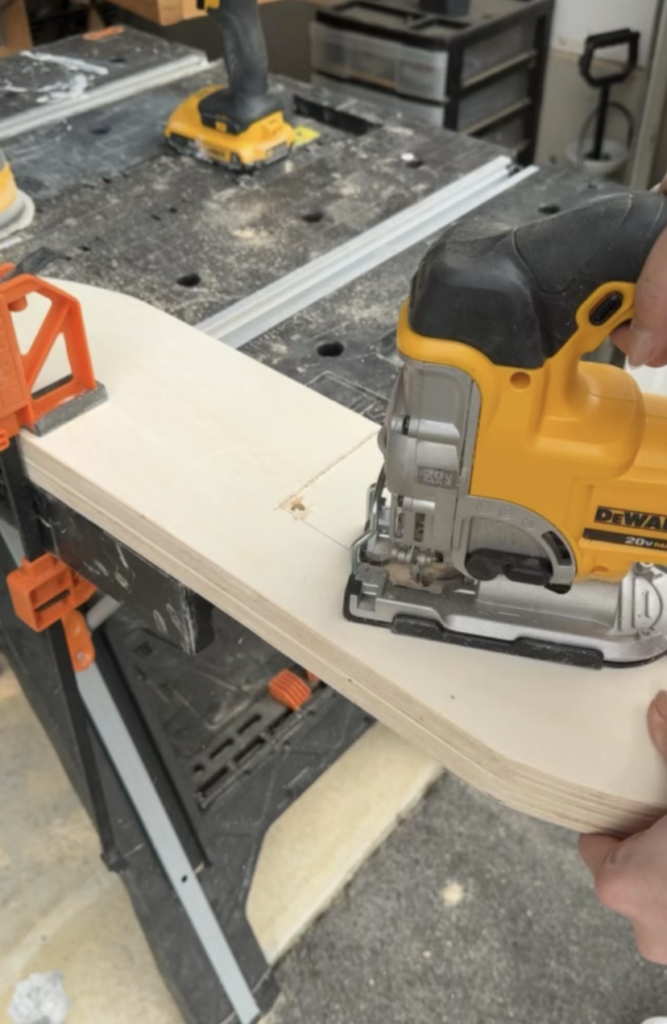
<point>14,29</point>
<point>167,12</point>
<point>162,12</point>
<point>250,489</point>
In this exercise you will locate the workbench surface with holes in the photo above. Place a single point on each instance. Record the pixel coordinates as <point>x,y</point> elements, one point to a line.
<point>122,210</point>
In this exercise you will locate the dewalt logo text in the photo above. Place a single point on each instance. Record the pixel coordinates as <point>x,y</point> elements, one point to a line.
<point>634,520</point>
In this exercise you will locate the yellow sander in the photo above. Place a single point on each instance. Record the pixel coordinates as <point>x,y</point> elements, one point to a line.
<point>16,208</point>
<point>242,126</point>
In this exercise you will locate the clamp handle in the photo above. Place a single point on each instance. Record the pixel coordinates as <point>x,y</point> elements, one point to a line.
<point>605,41</point>
<point>515,294</point>
<point>605,80</point>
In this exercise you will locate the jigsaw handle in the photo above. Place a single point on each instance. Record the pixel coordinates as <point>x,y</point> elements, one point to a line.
<point>518,295</point>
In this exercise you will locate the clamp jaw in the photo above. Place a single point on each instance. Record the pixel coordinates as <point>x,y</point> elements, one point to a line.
<point>43,589</point>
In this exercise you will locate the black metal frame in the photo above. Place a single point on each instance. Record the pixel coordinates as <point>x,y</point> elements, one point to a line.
<point>172,609</point>
<point>253,782</point>
<point>18,508</point>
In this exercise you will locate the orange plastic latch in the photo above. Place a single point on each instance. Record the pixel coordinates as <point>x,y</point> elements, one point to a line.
<point>47,591</point>
<point>19,371</point>
<point>289,689</point>
<point>79,640</point>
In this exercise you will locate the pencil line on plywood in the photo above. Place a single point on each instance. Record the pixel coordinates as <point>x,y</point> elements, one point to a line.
<point>291,505</point>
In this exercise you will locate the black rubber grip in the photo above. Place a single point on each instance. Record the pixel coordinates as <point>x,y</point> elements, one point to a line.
<point>513,293</point>
<point>603,41</point>
<point>247,98</point>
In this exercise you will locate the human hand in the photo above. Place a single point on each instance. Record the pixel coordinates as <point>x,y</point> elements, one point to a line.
<point>631,874</point>
<point>645,340</point>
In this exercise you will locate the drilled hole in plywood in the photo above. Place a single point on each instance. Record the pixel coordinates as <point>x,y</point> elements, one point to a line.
<point>297,508</point>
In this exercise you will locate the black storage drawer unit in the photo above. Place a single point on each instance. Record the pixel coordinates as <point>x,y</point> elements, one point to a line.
<point>481,72</point>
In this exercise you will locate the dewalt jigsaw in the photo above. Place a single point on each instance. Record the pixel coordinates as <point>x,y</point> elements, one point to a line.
<point>522,505</point>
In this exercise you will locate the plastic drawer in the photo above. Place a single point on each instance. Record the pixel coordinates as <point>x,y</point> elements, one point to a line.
<point>387,102</point>
<point>408,70</point>
<point>494,98</point>
<point>328,50</point>
<point>499,49</point>
<point>510,134</point>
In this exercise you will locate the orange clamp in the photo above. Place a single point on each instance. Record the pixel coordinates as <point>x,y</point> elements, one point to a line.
<point>19,372</point>
<point>47,591</point>
<point>289,689</point>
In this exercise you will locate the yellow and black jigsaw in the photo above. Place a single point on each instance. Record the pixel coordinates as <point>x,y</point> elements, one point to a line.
<point>522,506</point>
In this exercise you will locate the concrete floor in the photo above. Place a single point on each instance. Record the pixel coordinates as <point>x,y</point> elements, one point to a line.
<point>60,910</point>
<point>468,913</point>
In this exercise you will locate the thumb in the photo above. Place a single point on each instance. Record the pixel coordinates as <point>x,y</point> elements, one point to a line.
<point>597,850</point>
<point>647,339</point>
<point>657,722</point>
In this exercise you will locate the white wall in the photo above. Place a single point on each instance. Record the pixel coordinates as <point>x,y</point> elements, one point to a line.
<point>576,19</point>
<point>568,99</point>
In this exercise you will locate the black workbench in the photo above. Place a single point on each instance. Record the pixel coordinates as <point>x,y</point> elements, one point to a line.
<point>121,210</point>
